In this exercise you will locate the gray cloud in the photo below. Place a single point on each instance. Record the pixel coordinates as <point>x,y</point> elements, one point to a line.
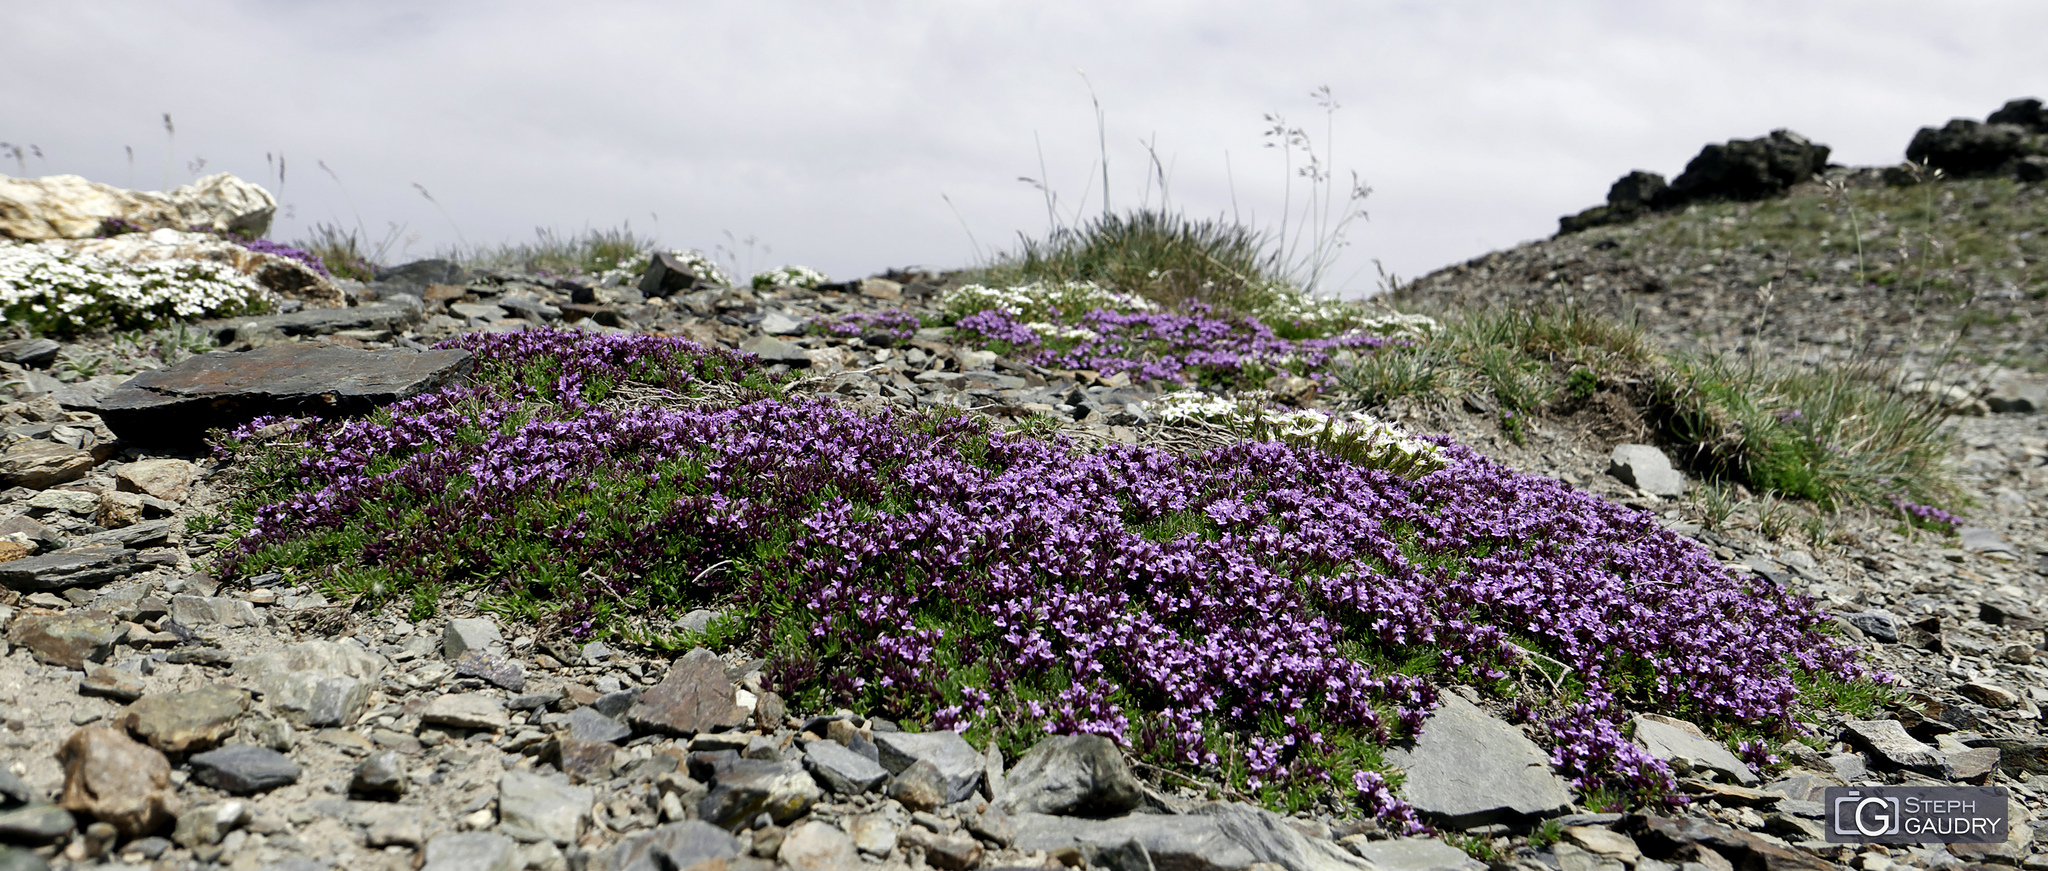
<point>828,132</point>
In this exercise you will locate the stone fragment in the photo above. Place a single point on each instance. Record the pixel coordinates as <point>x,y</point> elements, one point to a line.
<point>777,323</point>
<point>1416,854</point>
<point>207,825</point>
<point>494,668</point>
<point>78,503</point>
<point>39,465</point>
<point>1674,840</point>
<point>1747,169</point>
<point>1673,740</point>
<point>34,353</point>
<point>919,787</point>
<point>470,633</point>
<point>382,775</point>
<point>419,275</point>
<point>15,791</point>
<point>1989,695</point>
<point>87,566</point>
<point>675,845</point>
<point>841,770</point>
<point>746,788</point>
<point>2018,394</point>
<point>244,768</point>
<point>1215,837</point>
<point>586,724</point>
<point>873,834</point>
<point>391,316</point>
<point>536,807</point>
<point>817,846</point>
<point>36,824</point>
<point>196,611</point>
<point>73,207</point>
<point>1605,842</point>
<point>70,639</point>
<point>1878,625</point>
<point>772,350</point>
<point>113,779</point>
<point>402,828</point>
<point>178,404</point>
<point>2017,847</point>
<point>1977,539</point>
<point>1646,468</point>
<point>2016,753</point>
<point>694,697</point>
<point>466,711</point>
<point>1071,775</point>
<point>954,852</point>
<point>668,274</point>
<point>181,722</point>
<point>471,851</point>
<point>1888,742</point>
<point>586,761</point>
<point>314,683</point>
<point>117,510</point>
<point>111,683</point>
<point>957,762</point>
<point>162,477</point>
<point>1470,769</point>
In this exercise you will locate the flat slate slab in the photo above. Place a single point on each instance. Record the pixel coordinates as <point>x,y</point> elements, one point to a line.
<point>1471,769</point>
<point>176,406</point>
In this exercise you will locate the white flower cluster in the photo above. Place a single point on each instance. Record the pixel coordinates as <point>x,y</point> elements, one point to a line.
<point>1038,300</point>
<point>1397,323</point>
<point>1247,413</point>
<point>698,263</point>
<point>1048,330</point>
<point>790,276</point>
<point>51,287</point>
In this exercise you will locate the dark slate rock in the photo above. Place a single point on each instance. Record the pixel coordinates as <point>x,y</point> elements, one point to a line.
<point>772,350</point>
<point>958,763</point>
<point>394,316</point>
<point>1665,838</point>
<point>694,697</point>
<point>1879,625</point>
<point>36,825</point>
<point>74,567</point>
<point>666,275</point>
<point>1071,775</point>
<point>841,770</point>
<point>244,768</point>
<point>616,704</point>
<point>382,775</point>
<point>177,405</point>
<point>747,788</point>
<point>1471,769</point>
<point>1747,169</point>
<point>676,845</point>
<point>493,667</point>
<point>1963,147</point>
<point>586,724</point>
<point>2026,112</point>
<point>37,353</point>
<point>14,791</point>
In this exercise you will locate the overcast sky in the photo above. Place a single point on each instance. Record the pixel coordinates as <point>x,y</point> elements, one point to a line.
<point>834,133</point>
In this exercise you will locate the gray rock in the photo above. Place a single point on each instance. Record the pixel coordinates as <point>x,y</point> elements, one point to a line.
<point>73,567</point>
<point>536,807</point>
<point>196,611</point>
<point>667,275</point>
<point>472,851</point>
<point>615,705</point>
<point>772,350</point>
<point>16,859</point>
<point>1219,836</point>
<point>1071,775</point>
<point>958,763</point>
<point>920,787</point>
<point>1646,468</point>
<point>1977,539</point>
<point>381,775</point>
<point>493,667</point>
<point>244,768</point>
<point>586,724</point>
<point>676,845</point>
<point>841,770</point>
<point>1470,769</point>
<point>1888,742</point>
<point>418,274</point>
<point>1963,148</point>
<point>747,788</point>
<point>1747,169</point>
<point>314,683</point>
<point>208,824</point>
<point>39,464</point>
<point>70,639</point>
<point>470,633</point>
<point>1270,838</point>
<point>390,316</point>
<point>177,405</point>
<point>694,697</point>
<point>1417,854</point>
<point>34,353</point>
<point>819,846</point>
<point>466,711</point>
<point>2016,394</point>
<point>182,722</point>
<point>1673,740</point>
<point>776,323</point>
<point>35,825</point>
<point>1879,625</point>
<point>14,790</point>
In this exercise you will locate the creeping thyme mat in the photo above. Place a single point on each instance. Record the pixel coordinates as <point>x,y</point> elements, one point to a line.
<point>1263,615</point>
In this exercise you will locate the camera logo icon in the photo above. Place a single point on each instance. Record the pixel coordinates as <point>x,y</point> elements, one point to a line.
<point>1870,816</point>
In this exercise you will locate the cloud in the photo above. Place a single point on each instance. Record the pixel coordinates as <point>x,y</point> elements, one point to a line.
<point>829,132</point>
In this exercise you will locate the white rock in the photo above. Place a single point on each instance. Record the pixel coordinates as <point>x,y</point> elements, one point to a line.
<point>71,207</point>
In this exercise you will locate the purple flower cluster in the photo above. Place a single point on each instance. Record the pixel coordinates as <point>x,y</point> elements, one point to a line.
<point>265,246</point>
<point>895,324</point>
<point>1192,347</point>
<point>936,569</point>
<point>1927,515</point>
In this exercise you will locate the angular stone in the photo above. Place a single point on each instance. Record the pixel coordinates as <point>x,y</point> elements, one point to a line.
<point>78,503</point>
<point>34,353</point>
<point>694,697</point>
<point>746,788</point>
<point>1646,468</point>
<point>873,834</point>
<point>586,761</point>
<point>111,683</point>
<point>390,316</point>
<point>2017,846</point>
<point>954,852</point>
<point>1977,539</point>
<point>1416,854</point>
<point>196,611</point>
<point>39,465</point>
<point>113,779</point>
<point>469,633</point>
<point>161,477</point>
<point>466,711</point>
<point>177,405</point>
<point>1605,842</point>
<point>1664,838</point>
<point>776,323</point>
<point>15,791</point>
<point>2016,754</point>
<point>35,825</point>
<point>1470,769</point>
<point>73,207</point>
<point>1878,625</point>
<point>70,639</point>
<point>472,851</point>
<point>1888,741</point>
<point>816,846</point>
<point>493,667</point>
<point>206,826</point>
<point>667,274</point>
<point>772,350</point>
<point>919,787</point>
<point>381,775</point>
<point>1672,739</point>
<point>841,770</point>
<point>314,683</point>
<point>958,763</point>
<point>119,509</point>
<point>244,768</point>
<point>185,721</point>
<point>1216,837</point>
<point>586,724</point>
<point>17,859</point>
<point>536,807</point>
<point>88,566</point>
<point>1071,775</point>
<point>675,845</point>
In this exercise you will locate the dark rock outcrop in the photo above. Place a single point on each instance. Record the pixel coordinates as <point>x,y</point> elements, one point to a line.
<point>1739,169</point>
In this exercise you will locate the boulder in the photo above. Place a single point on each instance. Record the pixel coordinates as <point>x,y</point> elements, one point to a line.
<point>2026,112</point>
<point>314,683</point>
<point>694,697</point>
<point>72,207</point>
<point>284,277</point>
<point>37,464</point>
<point>1646,468</point>
<point>1963,148</point>
<point>111,778</point>
<point>1747,169</point>
<point>667,275</point>
<point>1471,769</point>
<point>958,764</point>
<point>1072,775</point>
<point>177,405</point>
